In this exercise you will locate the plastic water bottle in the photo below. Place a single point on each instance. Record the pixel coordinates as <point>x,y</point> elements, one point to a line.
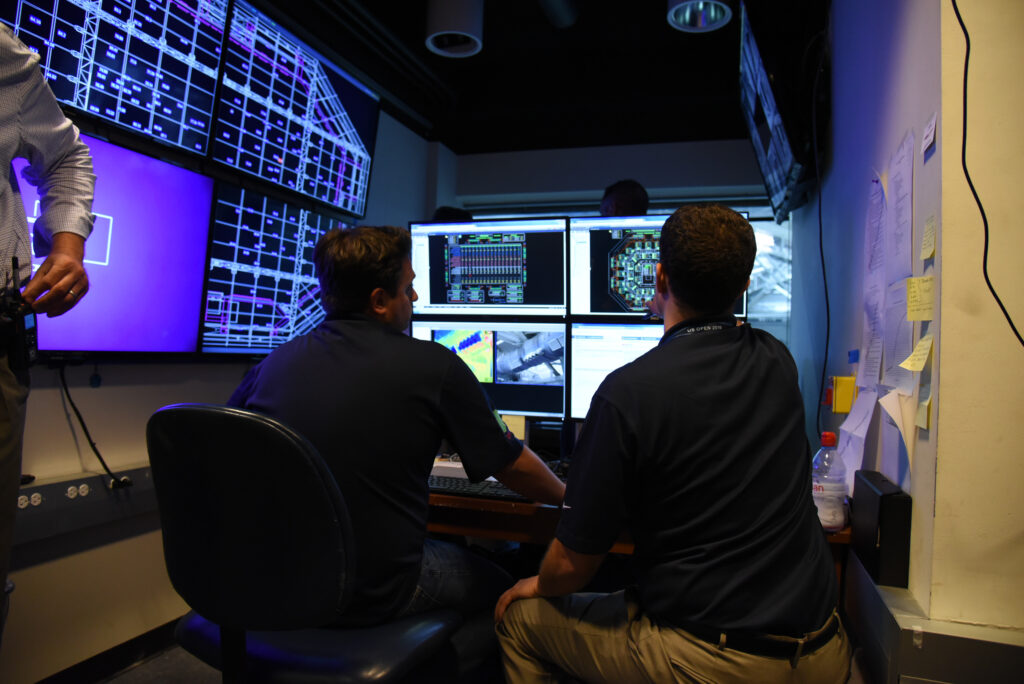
<point>828,475</point>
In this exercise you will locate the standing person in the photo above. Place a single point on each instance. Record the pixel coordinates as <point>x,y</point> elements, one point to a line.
<point>698,450</point>
<point>376,403</point>
<point>33,127</point>
<point>624,198</point>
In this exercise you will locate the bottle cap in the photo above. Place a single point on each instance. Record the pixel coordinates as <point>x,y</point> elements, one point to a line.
<point>828,439</point>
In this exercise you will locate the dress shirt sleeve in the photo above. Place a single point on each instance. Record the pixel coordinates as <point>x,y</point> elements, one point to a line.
<point>60,165</point>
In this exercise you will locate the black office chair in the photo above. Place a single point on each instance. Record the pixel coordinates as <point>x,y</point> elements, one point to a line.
<point>257,541</point>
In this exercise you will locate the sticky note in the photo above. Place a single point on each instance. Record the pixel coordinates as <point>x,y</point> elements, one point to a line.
<point>920,298</point>
<point>516,425</point>
<point>844,391</point>
<point>919,357</point>
<point>928,239</point>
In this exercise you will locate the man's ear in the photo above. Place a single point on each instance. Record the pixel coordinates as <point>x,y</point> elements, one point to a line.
<point>660,279</point>
<point>379,301</point>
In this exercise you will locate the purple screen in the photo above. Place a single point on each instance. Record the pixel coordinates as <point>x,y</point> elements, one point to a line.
<point>145,258</point>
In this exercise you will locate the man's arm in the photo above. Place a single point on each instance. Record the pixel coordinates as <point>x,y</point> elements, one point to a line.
<point>61,278</point>
<point>531,477</point>
<point>562,572</point>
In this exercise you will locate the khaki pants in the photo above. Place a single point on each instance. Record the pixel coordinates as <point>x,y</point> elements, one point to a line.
<point>13,401</point>
<point>605,638</point>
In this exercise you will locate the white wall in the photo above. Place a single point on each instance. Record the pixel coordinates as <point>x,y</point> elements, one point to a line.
<point>979,517</point>
<point>890,77</point>
<point>723,169</point>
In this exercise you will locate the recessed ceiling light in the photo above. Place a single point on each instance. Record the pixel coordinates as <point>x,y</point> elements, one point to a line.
<point>698,16</point>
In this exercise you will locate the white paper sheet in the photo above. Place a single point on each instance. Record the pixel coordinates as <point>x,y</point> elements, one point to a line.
<point>900,214</point>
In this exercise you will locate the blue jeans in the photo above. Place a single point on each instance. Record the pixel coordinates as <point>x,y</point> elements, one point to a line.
<point>454,577</point>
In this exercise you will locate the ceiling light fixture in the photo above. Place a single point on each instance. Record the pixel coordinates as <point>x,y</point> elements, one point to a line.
<point>455,28</point>
<point>698,16</point>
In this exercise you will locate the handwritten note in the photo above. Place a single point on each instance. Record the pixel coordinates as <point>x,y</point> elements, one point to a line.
<point>919,357</point>
<point>924,414</point>
<point>920,298</point>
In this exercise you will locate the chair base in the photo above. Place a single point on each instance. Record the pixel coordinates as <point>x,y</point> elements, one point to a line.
<point>382,653</point>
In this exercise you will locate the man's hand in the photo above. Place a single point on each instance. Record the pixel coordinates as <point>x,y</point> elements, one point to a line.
<point>61,279</point>
<point>524,588</point>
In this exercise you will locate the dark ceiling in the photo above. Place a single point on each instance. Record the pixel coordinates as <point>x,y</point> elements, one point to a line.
<point>562,73</point>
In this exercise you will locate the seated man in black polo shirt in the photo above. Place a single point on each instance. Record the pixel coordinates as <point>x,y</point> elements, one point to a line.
<point>698,449</point>
<point>376,403</point>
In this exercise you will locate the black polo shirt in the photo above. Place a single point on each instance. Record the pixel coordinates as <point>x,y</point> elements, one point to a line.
<point>698,449</point>
<point>376,404</point>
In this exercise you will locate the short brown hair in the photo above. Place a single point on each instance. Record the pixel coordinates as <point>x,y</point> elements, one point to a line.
<point>707,252</point>
<point>352,263</point>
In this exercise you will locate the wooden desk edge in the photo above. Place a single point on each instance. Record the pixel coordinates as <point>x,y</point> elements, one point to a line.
<point>519,521</point>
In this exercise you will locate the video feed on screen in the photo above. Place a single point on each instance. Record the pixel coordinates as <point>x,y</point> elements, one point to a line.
<point>520,365</point>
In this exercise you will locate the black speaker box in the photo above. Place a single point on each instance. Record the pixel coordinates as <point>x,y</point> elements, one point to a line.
<point>880,521</point>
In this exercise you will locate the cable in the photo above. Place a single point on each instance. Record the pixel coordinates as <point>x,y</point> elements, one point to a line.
<point>115,481</point>
<point>821,239</point>
<point>970,183</point>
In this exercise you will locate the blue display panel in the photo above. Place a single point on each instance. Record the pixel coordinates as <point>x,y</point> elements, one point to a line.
<point>599,348</point>
<point>290,117</point>
<point>145,257</point>
<point>261,289</point>
<point>147,66</point>
<point>491,267</point>
<point>521,365</point>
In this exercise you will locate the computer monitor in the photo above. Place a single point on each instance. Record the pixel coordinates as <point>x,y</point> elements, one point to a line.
<point>596,349</point>
<point>490,267</point>
<point>612,263</point>
<point>261,289</point>
<point>521,365</point>
<point>144,259</point>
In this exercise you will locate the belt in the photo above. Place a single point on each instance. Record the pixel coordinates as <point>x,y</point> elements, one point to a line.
<point>769,645</point>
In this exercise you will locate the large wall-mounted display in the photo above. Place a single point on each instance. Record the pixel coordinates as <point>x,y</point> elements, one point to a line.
<point>224,94</point>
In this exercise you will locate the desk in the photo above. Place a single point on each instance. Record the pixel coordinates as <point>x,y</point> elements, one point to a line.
<point>535,523</point>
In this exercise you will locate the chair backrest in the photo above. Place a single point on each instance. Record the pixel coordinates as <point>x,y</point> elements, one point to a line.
<point>256,534</point>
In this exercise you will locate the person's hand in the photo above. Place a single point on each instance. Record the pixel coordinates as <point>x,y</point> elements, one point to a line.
<point>524,588</point>
<point>61,281</point>
<point>655,307</point>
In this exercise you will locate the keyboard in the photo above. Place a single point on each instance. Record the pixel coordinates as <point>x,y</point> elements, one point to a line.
<point>460,486</point>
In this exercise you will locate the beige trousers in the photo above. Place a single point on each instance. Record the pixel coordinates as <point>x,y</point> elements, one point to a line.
<point>605,638</point>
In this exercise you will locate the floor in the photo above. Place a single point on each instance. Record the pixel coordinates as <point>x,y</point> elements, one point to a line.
<point>172,665</point>
<point>176,665</point>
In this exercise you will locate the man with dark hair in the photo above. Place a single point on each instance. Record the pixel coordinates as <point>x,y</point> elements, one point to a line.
<point>376,403</point>
<point>698,450</point>
<point>624,198</point>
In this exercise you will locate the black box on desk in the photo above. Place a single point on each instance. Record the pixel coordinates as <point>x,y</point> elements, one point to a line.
<point>880,535</point>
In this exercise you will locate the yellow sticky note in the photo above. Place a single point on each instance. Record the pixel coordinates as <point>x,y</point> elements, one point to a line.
<point>924,414</point>
<point>844,391</point>
<point>920,298</point>
<point>919,357</point>
<point>928,239</point>
<point>516,425</point>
